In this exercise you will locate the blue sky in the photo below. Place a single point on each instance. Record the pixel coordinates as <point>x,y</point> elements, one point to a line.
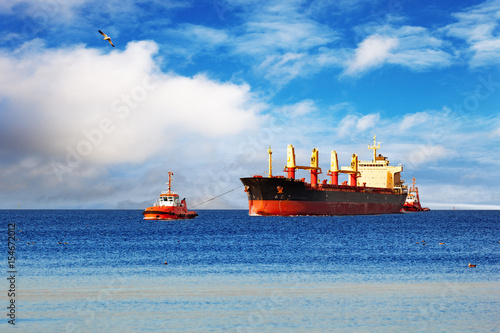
<point>203,88</point>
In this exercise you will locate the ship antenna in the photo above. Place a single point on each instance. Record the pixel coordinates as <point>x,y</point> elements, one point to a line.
<point>374,147</point>
<point>170,174</point>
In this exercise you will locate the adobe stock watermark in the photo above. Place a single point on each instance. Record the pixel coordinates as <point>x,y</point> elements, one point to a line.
<point>221,7</point>
<point>266,309</point>
<point>12,275</point>
<point>94,137</point>
<point>37,20</point>
<point>430,312</point>
<point>393,8</point>
<point>471,103</point>
<point>270,304</point>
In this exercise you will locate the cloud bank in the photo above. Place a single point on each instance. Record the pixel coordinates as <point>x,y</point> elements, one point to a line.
<point>72,114</point>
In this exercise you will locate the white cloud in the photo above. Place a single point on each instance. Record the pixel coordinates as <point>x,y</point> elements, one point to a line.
<point>439,205</point>
<point>339,7</point>
<point>32,6</point>
<point>300,109</point>
<point>371,53</point>
<point>449,196</point>
<point>283,41</point>
<point>486,52</point>
<point>408,46</point>
<point>421,59</point>
<point>87,112</point>
<point>284,68</point>
<point>478,26</point>
<point>353,124</point>
<point>281,34</point>
<point>346,125</point>
<point>41,14</point>
<point>411,120</point>
<point>57,10</point>
<point>421,155</point>
<point>279,41</point>
<point>368,121</point>
<point>341,107</point>
<point>199,36</point>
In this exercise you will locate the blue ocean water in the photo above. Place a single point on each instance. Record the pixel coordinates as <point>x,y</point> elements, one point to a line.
<point>110,270</point>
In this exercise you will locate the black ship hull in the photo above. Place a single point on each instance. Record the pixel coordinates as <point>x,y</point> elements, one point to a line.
<point>279,196</point>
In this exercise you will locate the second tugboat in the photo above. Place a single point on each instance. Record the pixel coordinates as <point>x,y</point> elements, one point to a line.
<point>412,203</point>
<point>168,206</point>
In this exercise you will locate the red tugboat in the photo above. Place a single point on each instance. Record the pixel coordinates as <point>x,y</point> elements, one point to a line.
<point>374,187</point>
<point>168,206</point>
<point>412,203</point>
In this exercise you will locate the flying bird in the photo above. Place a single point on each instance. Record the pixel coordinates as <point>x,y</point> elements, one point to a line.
<point>106,37</point>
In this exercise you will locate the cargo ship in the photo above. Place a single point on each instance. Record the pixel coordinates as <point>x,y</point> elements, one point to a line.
<point>412,203</point>
<point>373,187</point>
<point>168,206</point>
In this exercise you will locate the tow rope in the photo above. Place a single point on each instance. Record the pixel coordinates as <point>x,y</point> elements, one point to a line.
<point>220,195</point>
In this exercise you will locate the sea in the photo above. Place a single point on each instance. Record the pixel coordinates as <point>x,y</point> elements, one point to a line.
<point>225,271</point>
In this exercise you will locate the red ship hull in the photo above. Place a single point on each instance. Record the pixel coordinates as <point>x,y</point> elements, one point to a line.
<point>280,196</point>
<point>296,208</point>
<point>414,208</point>
<point>168,213</point>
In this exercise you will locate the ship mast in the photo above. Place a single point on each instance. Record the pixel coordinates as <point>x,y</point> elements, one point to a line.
<point>270,162</point>
<point>374,147</point>
<point>413,184</point>
<point>170,174</point>
<point>414,189</point>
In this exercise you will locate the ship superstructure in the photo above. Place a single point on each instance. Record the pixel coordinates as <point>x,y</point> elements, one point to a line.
<point>373,187</point>
<point>378,172</point>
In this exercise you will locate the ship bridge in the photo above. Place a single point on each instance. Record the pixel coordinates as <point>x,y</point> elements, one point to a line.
<point>378,172</point>
<point>168,199</point>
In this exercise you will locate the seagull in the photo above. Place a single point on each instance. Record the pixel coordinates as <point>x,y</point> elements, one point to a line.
<point>106,37</point>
